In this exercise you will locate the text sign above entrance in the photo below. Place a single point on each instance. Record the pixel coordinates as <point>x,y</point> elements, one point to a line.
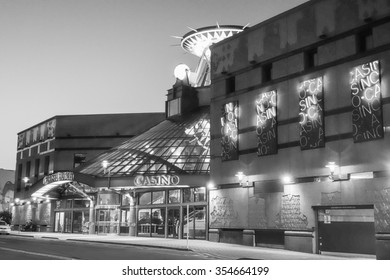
<point>58,177</point>
<point>158,180</point>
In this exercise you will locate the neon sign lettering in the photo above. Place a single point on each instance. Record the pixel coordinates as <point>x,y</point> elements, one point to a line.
<point>367,123</point>
<point>266,129</point>
<point>158,180</point>
<point>311,117</point>
<point>229,131</point>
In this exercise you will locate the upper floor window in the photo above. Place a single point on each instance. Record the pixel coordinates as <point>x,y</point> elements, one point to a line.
<point>364,41</point>
<point>230,84</point>
<point>266,71</point>
<point>79,159</point>
<point>310,58</point>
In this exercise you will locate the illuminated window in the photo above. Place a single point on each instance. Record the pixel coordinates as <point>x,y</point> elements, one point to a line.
<point>231,85</point>
<point>266,71</point>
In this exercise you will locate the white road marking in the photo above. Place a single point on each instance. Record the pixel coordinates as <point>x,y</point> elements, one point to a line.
<point>33,253</point>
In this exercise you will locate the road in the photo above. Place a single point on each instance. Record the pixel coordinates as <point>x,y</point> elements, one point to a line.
<point>27,248</point>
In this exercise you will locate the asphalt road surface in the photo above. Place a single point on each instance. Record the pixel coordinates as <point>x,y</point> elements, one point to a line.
<point>27,248</point>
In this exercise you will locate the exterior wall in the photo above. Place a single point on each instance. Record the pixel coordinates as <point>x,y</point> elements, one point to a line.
<point>284,42</point>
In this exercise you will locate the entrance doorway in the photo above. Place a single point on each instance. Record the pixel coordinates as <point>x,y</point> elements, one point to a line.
<point>196,220</point>
<point>346,230</point>
<point>173,223</point>
<point>107,221</point>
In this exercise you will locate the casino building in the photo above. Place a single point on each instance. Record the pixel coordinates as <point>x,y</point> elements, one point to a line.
<point>300,119</point>
<point>153,184</point>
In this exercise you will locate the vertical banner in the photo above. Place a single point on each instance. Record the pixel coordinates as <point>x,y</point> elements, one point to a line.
<point>367,123</point>
<point>311,116</point>
<point>229,131</point>
<point>266,129</point>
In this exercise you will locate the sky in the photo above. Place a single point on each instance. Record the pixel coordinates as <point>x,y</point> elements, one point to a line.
<point>65,57</point>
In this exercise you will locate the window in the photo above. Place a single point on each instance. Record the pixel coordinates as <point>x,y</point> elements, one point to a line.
<point>79,159</point>
<point>47,164</point>
<point>174,196</point>
<point>19,182</point>
<point>310,58</point>
<point>36,171</point>
<point>158,197</point>
<point>194,195</point>
<point>230,84</point>
<point>267,72</point>
<point>364,41</point>
<point>145,198</point>
<point>28,169</point>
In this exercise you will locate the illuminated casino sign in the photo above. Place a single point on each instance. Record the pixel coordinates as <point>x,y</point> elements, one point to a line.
<point>311,117</point>
<point>229,131</point>
<point>367,120</point>
<point>158,180</point>
<point>58,177</point>
<point>266,128</point>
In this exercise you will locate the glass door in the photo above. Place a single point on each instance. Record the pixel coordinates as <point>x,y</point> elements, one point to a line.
<point>59,222</point>
<point>173,222</point>
<point>196,220</point>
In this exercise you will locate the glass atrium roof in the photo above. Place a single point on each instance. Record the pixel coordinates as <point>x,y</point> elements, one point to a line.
<point>180,146</point>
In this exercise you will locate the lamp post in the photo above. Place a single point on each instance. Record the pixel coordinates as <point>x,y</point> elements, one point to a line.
<point>106,171</point>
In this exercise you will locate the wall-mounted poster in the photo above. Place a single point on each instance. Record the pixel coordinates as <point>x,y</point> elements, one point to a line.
<point>266,129</point>
<point>51,128</point>
<point>229,131</point>
<point>311,116</point>
<point>367,123</point>
<point>21,137</point>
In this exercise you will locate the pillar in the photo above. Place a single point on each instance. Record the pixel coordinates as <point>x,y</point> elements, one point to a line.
<point>91,217</point>
<point>133,216</point>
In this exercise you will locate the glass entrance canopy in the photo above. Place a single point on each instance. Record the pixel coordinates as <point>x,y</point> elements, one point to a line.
<point>175,146</point>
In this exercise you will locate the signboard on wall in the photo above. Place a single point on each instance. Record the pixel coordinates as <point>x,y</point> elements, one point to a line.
<point>367,123</point>
<point>229,131</point>
<point>311,116</point>
<point>266,129</point>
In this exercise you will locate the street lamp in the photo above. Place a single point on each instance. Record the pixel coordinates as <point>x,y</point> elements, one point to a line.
<point>332,167</point>
<point>106,171</point>
<point>27,183</point>
<point>240,175</point>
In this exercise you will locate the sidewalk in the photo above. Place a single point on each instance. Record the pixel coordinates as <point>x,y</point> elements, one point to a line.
<point>211,249</point>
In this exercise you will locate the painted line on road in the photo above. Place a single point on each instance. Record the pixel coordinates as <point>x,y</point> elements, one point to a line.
<point>37,254</point>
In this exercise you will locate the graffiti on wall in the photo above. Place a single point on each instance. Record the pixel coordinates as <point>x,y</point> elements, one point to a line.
<point>382,210</point>
<point>330,198</point>
<point>290,216</point>
<point>222,212</point>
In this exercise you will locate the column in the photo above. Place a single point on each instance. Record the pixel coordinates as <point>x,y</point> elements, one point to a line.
<point>132,216</point>
<point>91,217</point>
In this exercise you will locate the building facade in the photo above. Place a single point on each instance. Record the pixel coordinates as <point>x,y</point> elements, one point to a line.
<point>57,146</point>
<point>300,115</point>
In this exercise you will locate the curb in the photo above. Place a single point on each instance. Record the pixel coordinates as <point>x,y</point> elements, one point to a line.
<point>130,244</point>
